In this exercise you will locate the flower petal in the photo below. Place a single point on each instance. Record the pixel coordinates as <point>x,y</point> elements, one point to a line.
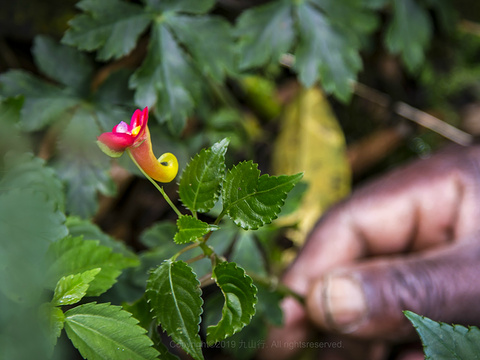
<point>116,141</point>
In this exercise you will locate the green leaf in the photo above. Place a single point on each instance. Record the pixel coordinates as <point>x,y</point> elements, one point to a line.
<point>53,320</point>
<point>158,235</point>
<point>166,80</point>
<point>325,53</point>
<point>110,26</point>
<point>329,37</point>
<point>82,165</point>
<point>252,201</point>
<point>28,172</point>
<point>104,331</point>
<point>29,224</point>
<point>86,228</point>
<point>409,32</point>
<point>201,181</point>
<point>11,137</point>
<point>71,256</point>
<point>63,64</point>
<point>188,6</point>
<point>72,288</point>
<point>240,299</point>
<point>247,254</point>
<point>266,33</point>
<point>443,341</point>
<point>190,229</point>
<point>219,34</point>
<point>174,294</point>
<point>44,103</point>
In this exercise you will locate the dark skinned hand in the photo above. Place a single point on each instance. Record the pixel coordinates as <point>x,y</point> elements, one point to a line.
<point>407,241</point>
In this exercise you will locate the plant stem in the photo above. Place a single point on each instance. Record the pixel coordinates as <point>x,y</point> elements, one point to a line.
<point>277,286</point>
<point>185,249</point>
<point>159,188</point>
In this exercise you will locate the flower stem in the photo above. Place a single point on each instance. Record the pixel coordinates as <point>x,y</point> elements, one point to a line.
<point>159,188</point>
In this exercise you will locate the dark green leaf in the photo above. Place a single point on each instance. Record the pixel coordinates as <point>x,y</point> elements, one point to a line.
<point>28,172</point>
<point>445,342</point>
<point>409,32</point>
<point>53,321</point>
<point>82,165</point>
<point>158,235</point>
<point>80,227</point>
<point>104,331</point>
<point>187,6</point>
<point>44,103</point>
<point>62,63</point>
<point>166,80</point>
<point>325,53</point>
<point>202,179</point>
<point>29,224</point>
<point>191,229</point>
<point>252,201</point>
<point>266,33</point>
<point>213,57</point>
<point>110,26</point>
<point>240,299</point>
<point>247,254</point>
<point>11,137</point>
<point>114,90</point>
<point>75,255</point>
<point>72,288</point>
<point>174,294</point>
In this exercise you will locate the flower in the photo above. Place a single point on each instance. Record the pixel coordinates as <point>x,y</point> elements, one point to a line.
<point>135,138</point>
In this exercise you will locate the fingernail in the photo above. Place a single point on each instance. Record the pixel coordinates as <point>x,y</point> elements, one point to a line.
<point>344,302</point>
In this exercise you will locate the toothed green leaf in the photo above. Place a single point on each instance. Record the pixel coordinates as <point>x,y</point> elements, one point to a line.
<point>104,331</point>
<point>201,180</point>
<point>240,299</point>
<point>174,294</point>
<point>252,200</point>
<point>190,229</point>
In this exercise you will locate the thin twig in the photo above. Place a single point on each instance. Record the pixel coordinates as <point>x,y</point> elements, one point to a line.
<point>417,116</point>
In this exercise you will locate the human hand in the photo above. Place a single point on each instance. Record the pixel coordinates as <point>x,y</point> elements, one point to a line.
<point>407,241</point>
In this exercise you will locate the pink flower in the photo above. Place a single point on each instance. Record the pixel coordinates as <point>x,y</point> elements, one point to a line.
<point>136,139</point>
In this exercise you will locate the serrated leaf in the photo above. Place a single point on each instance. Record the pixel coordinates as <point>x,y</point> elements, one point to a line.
<point>219,34</point>
<point>187,6</point>
<point>174,294</point>
<point>409,32</point>
<point>202,178</point>
<point>75,255</point>
<point>266,33</point>
<point>72,288</point>
<point>110,26</point>
<point>104,331</point>
<point>43,102</point>
<point>252,201</point>
<point>63,64</point>
<point>240,299</point>
<point>442,341</point>
<point>328,33</point>
<point>82,165</point>
<point>190,229</point>
<point>161,81</point>
<point>325,53</point>
<point>29,224</point>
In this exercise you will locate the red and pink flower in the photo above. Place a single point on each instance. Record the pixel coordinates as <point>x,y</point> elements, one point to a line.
<point>135,137</point>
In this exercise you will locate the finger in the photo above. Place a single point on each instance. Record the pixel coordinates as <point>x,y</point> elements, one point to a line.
<point>426,203</point>
<point>367,300</point>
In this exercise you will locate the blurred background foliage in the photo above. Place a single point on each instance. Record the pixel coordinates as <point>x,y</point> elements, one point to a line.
<point>341,90</point>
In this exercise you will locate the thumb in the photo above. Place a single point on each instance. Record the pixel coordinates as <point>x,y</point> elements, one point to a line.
<point>366,300</point>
